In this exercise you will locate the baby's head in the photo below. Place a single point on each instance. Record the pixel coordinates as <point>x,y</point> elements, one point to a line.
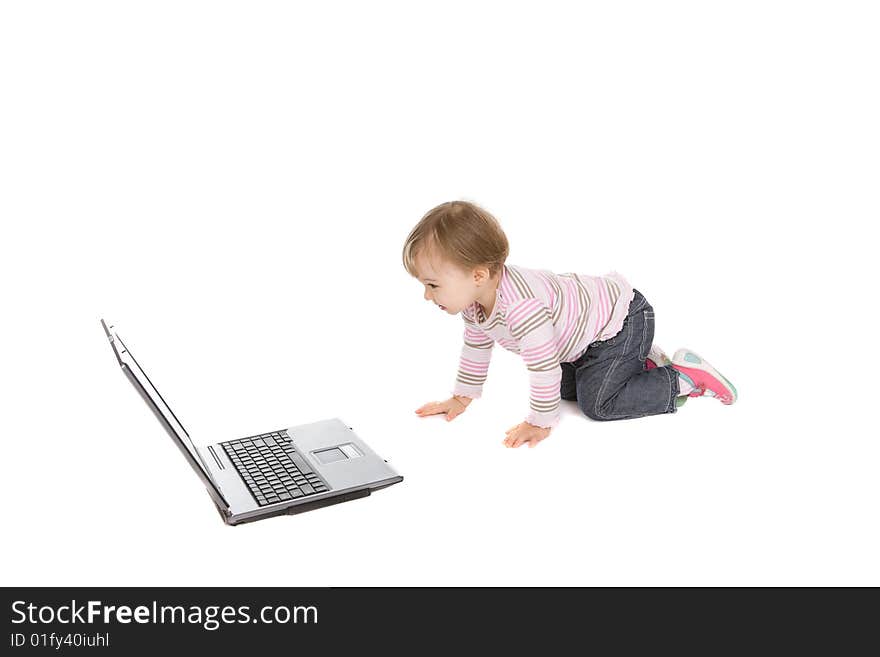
<point>457,251</point>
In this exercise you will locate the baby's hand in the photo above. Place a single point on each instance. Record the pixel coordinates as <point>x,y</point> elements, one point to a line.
<point>453,407</point>
<point>525,433</point>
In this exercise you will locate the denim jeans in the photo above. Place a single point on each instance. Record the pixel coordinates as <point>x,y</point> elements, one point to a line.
<point>609,380</point>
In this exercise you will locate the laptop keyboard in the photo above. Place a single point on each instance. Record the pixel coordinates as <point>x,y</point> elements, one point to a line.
<point>272,469</point>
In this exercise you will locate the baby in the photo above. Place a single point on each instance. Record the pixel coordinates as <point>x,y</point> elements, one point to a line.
<point>583,338</point>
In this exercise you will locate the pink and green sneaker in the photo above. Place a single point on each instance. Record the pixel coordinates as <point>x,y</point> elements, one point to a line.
<point>658,358</point>
<point>705,379</point>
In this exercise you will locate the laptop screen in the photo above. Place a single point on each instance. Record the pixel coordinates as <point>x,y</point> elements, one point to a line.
<point>162,410</point>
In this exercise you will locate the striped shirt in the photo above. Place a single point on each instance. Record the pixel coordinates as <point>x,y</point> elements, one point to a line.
<point>548,319</point>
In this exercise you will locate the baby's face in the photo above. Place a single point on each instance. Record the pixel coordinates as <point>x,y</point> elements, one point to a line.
<point>446,284</point>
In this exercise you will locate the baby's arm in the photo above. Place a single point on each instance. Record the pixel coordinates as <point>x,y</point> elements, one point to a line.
<point>472,369</point>
<point>530,323</point>
<point>473,365</point>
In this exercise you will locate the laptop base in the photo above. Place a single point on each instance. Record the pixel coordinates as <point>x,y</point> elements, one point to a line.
<point>301,508</point>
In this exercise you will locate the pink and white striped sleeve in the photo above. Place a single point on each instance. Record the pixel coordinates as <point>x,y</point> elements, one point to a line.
<point>530,323</point>
<point>474,363</point>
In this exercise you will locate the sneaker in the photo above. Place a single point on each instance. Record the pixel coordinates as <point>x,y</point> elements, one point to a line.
<point>656,358</point>
<point>706,380</point>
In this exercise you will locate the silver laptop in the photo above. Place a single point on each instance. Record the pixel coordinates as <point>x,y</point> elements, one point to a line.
<point>273,473</point>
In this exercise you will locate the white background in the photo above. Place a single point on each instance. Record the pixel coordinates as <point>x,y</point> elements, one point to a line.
<point>231,184</point>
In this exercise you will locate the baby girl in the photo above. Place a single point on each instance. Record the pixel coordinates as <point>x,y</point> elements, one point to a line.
<point>583,338</point>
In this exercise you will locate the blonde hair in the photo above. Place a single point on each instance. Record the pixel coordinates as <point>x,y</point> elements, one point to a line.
<point>461,232</point>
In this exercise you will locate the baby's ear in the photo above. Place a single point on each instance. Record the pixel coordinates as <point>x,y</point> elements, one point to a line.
<point>481,275</point>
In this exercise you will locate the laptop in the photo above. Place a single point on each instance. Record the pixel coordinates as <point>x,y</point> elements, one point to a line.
<point>272,473</point>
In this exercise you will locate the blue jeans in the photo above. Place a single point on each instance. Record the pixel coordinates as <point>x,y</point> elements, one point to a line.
<point>609,380</point>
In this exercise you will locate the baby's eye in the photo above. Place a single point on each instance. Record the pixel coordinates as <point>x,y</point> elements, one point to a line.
<point>431,285</point>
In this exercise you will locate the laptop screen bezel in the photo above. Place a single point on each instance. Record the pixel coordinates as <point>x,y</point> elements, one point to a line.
<point>150,394</point>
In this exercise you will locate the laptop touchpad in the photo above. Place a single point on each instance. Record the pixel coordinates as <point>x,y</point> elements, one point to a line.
<point>334,454</point>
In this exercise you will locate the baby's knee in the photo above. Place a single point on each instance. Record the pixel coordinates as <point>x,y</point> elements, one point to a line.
<point>590,406</point>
